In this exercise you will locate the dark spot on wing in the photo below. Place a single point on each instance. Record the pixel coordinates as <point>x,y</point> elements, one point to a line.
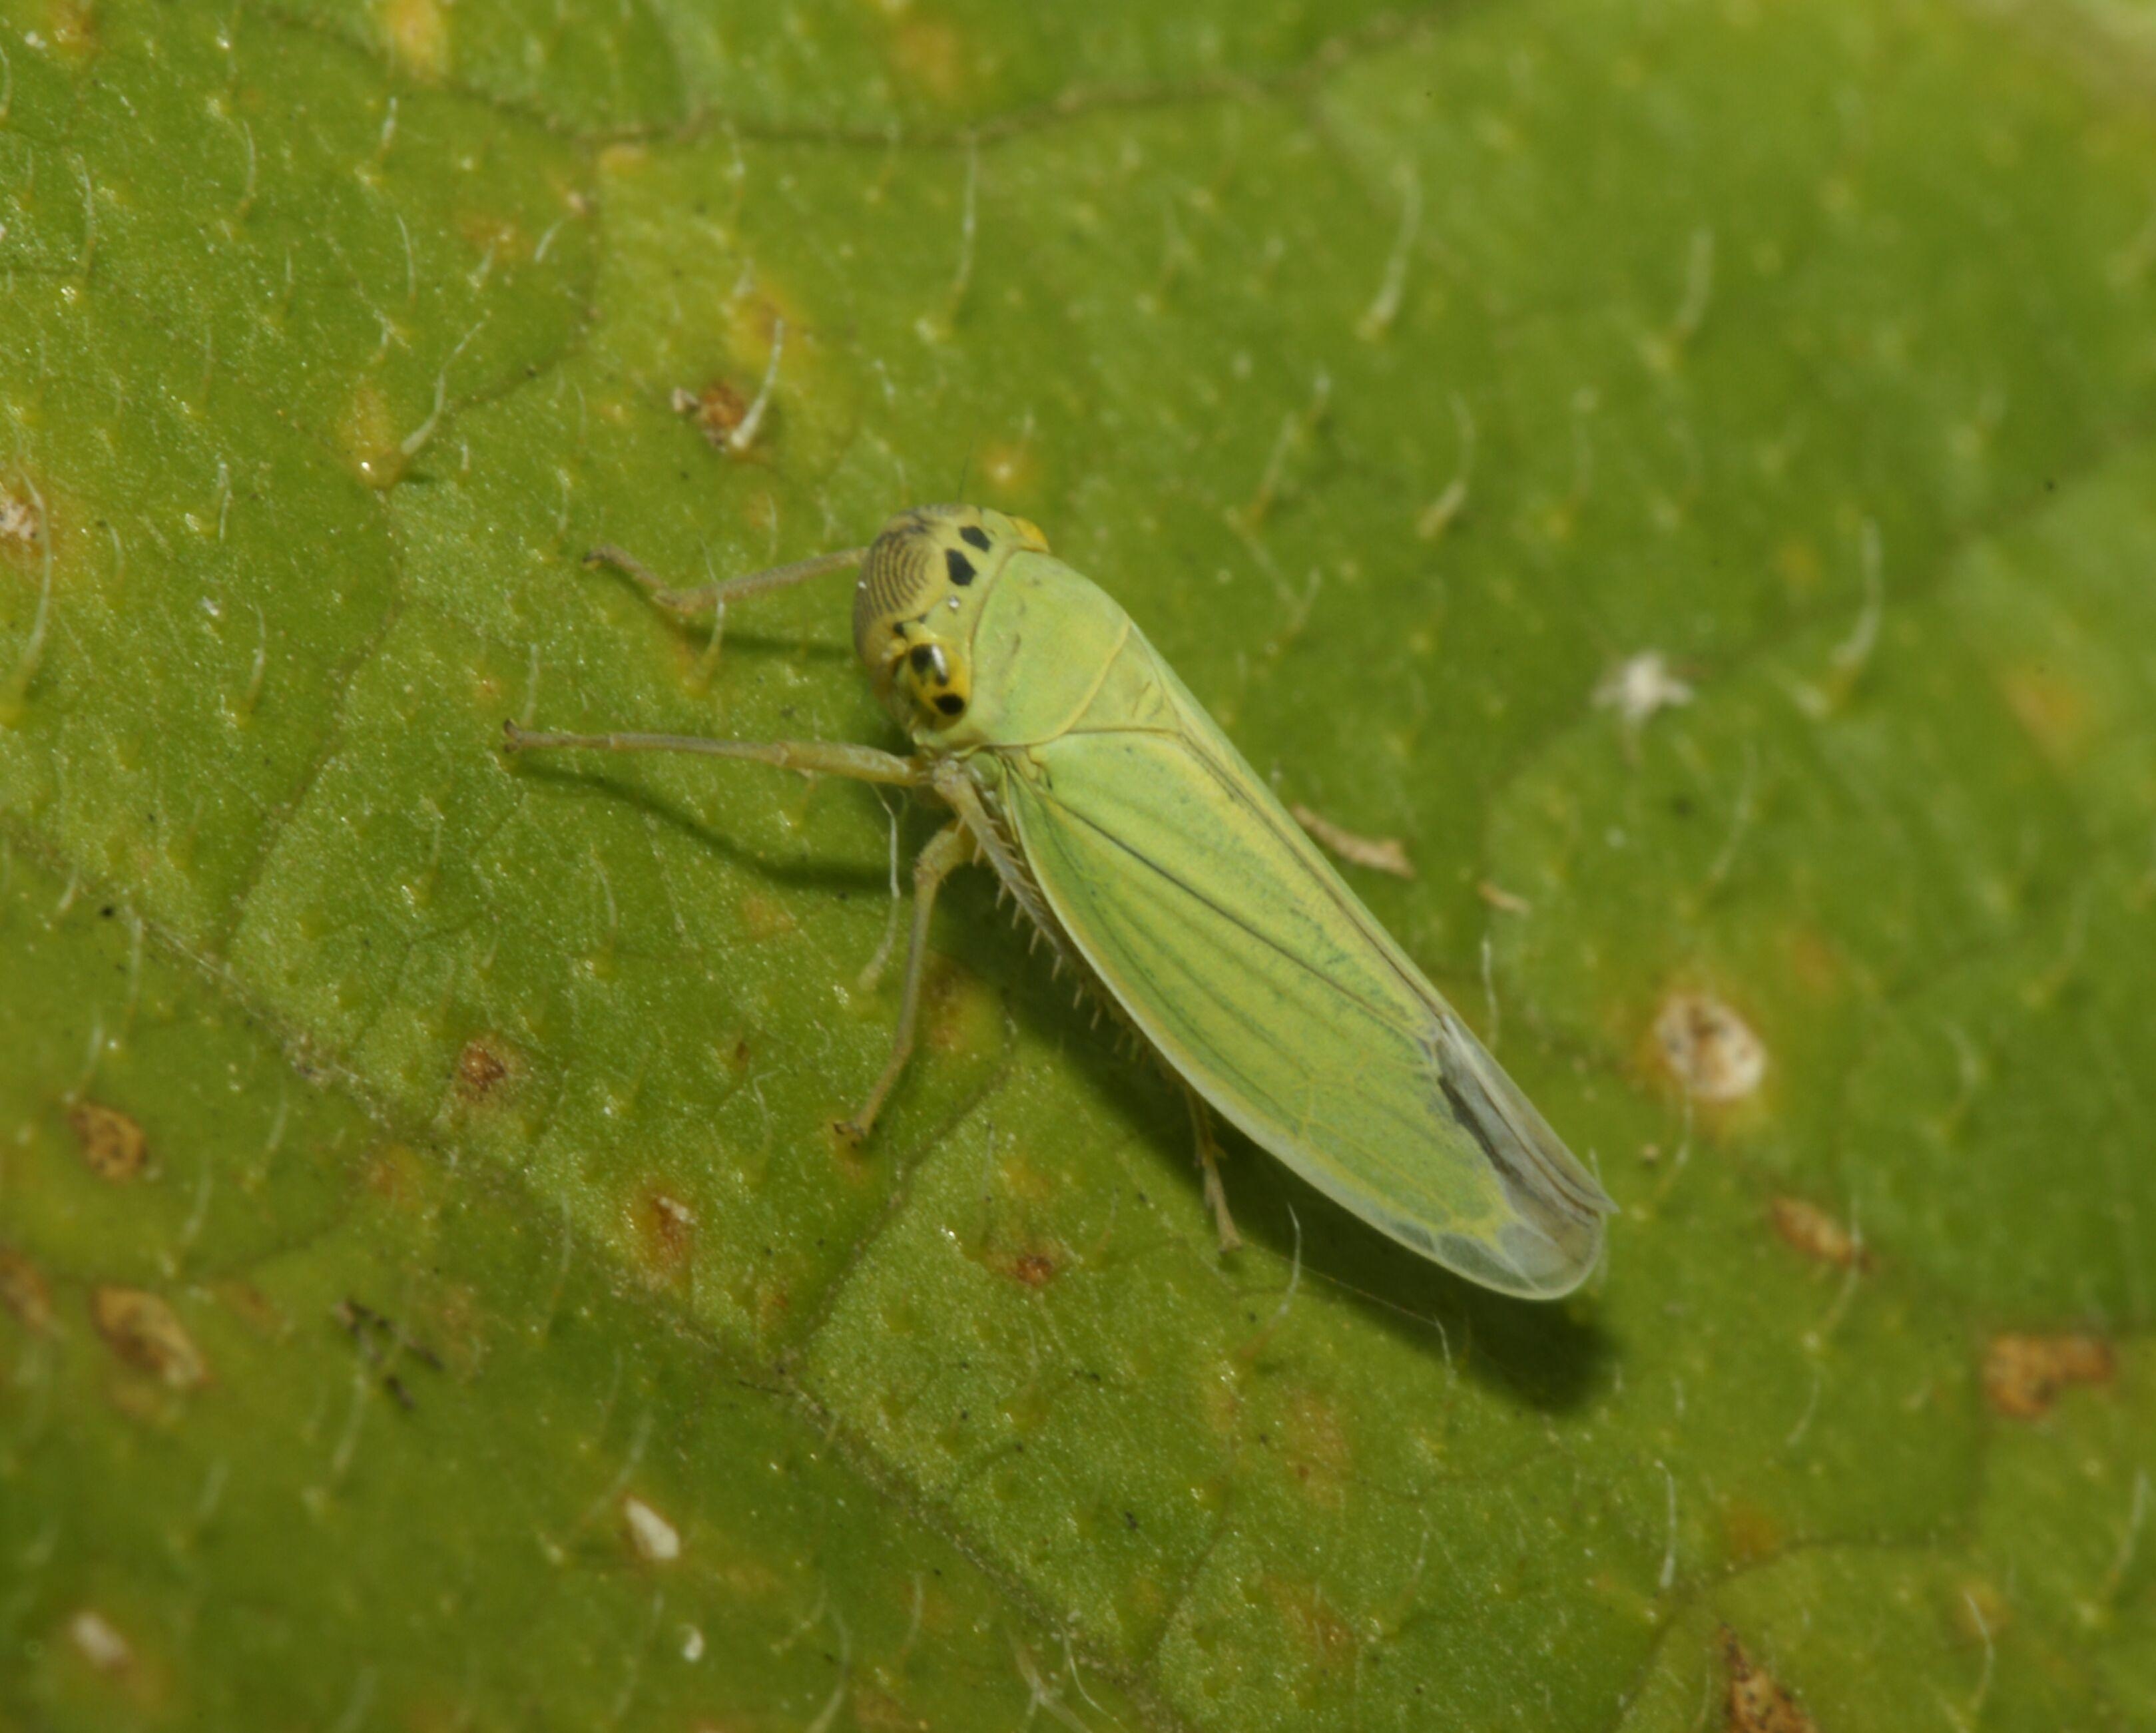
<point>950,704</point>
<point>975,537</point>
<point>1472,1122</point>
<point>958,566</point>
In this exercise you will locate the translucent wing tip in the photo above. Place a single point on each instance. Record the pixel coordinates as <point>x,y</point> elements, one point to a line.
<point>1553,1238</point>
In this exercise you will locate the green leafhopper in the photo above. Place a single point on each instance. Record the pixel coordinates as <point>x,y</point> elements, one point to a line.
<point>1161,867</point>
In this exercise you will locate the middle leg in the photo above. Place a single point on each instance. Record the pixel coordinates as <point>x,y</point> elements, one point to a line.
<point>948,849</point>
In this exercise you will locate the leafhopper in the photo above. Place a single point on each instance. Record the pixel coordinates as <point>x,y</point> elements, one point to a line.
<point>1160,867</point>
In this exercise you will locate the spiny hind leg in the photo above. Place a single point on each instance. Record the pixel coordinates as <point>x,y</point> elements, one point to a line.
<point>1209,1159</point>
<point>948,849</point>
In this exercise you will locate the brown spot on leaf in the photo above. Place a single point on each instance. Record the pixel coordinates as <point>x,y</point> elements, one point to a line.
<point>664,1230</point>
<point>1710,1050</point>
<point>1757,1704</point>
<point>2023,1375</point>
<point>716,410</point>
<point>23,1290</point>
<point>1816,1233</point>
<point>251,1307</point>
<point>482,1065</point>
<point>1031,1269</point>
<point>112,1144</point>
<point>145,1332</point>
<point>774,1300</point>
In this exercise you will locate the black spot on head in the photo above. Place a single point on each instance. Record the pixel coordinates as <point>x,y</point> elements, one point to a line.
<point>950,702</point>
<point>923,657</point>
<point>958,566</point>
<point>973,535</point>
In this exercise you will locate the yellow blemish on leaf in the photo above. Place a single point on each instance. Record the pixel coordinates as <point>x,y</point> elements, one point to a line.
<point>1813,962</point>
<point>1797,563</point>
<point>2055,712</point>
<point>416,34</point>
<point>112,1145</point>
<point>71,29</point>
<point>1817,1235</point>
<point>1750,1532</point>
<point>369,438</point>
<point>148,1334</point>
<point>24,1292</point>
<point>874,1711</point>
<point>490,235</point>
<point>398,1177</point>
<point>928,55</point>
<point>2023,1375</point>
<point>960,1014</point>
<point>1322,1639</point>
<point>763,917</point>
<point>1314,1444</point>
<point>1980,1612</point>
<point>1011,467</point>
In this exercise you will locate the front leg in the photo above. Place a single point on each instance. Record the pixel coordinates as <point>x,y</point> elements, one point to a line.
<point>811,757</point>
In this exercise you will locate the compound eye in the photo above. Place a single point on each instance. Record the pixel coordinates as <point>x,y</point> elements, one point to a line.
<point>937,686</point>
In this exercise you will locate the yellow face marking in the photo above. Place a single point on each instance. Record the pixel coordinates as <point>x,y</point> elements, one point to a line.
<point>918,600</point>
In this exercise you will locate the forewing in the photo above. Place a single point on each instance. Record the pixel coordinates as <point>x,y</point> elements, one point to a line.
<point>1238,952</point>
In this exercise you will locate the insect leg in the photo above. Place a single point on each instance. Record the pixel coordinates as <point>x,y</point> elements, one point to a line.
<point>948,848</point>
<point>1208,1158</point>
<point>712,598</point>
<point>811,757</point>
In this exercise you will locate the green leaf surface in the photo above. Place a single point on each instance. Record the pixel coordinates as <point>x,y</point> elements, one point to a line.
<point>431,1293</point>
